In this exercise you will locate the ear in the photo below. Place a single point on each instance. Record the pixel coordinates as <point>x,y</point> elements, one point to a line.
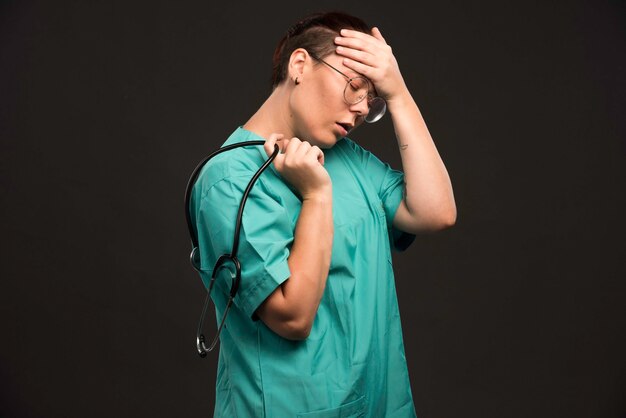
<point>297,63</point>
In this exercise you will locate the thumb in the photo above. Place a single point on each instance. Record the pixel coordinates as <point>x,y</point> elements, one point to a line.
<point>271,141</point>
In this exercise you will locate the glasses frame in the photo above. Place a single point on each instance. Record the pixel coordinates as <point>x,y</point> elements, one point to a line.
<point>369,96</point>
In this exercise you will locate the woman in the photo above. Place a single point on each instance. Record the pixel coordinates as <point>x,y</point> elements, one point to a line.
<point>315,330</point>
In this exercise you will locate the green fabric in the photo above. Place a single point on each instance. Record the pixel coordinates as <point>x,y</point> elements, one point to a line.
<point>353,362</point>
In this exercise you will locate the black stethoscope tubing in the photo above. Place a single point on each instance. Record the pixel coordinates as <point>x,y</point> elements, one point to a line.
<point>194,257</point>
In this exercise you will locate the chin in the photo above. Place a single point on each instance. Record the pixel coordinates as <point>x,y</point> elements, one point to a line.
<point>330,142</point>
<point>326,140</point>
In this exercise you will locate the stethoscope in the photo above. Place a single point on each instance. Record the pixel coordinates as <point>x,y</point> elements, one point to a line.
<point>224,258</point>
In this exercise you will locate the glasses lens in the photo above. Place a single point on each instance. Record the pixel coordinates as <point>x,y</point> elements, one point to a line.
<point>356,90</point>
<point>378,107</point>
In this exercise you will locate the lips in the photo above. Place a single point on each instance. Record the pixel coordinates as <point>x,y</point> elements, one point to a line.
<point>346,127</point>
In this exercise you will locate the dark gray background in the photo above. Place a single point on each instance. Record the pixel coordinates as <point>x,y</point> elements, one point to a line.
<point>516,311</point>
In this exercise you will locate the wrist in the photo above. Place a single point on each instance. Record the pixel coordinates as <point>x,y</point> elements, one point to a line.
<point>400,100</point>
<point>322,195</point>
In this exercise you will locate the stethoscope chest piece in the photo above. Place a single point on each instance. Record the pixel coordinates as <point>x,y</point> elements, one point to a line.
<point>194,259</point>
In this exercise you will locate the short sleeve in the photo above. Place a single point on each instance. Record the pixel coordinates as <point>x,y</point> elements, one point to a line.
<point>265,240</point>
<point>389,185</point>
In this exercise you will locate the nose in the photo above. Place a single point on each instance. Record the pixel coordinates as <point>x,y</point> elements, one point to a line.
<point>362,108</point>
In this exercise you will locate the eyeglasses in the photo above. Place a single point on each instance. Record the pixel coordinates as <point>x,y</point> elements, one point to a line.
<point>357,89</point>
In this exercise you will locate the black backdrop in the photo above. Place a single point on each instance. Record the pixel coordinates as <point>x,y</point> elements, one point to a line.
<point>516,311</point>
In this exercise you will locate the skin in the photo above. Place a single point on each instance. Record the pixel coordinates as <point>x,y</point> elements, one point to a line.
<point>302,119</point>
<point>429,200</point>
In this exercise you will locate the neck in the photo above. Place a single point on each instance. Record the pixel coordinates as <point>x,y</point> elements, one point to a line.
<point>273,116</point>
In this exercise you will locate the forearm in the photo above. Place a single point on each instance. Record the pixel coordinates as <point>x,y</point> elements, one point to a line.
<point>309,260</point>
<point>290,310</point>
<point>428,191</point>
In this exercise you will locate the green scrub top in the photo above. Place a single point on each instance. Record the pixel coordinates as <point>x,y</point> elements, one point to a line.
<point>353,362</point>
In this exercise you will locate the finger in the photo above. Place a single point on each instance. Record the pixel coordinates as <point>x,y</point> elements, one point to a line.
<point>369,44</point>
<point>349,33</point>
<point>361,56</point>
<point>376,34</point>
<point>270,142</point>
<point>303,149</point>
<point>292,146</point>
<point>359,67</point>
<point>279,161</point>
<point>317,153</point>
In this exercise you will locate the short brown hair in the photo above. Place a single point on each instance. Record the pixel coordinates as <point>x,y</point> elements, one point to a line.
<point>316,34</point>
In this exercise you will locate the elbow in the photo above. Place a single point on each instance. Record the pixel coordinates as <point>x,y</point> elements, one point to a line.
<point>440,222</point>
<point>448,220</point>
<point>431,218</point>
<point>299,336</point>
<point>290,328</point>
<point>286,319</point>
<point>296,330</point>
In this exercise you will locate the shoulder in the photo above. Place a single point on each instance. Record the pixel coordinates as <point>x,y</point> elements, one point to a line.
<point>232,165</point>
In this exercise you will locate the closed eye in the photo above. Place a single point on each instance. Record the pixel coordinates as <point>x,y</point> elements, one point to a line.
<point>358,83</point>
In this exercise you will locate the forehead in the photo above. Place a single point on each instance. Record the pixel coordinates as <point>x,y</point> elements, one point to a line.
<point>337,62</point>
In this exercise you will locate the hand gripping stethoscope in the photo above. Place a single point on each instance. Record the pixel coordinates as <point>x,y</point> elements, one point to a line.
<point>232,257</point>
